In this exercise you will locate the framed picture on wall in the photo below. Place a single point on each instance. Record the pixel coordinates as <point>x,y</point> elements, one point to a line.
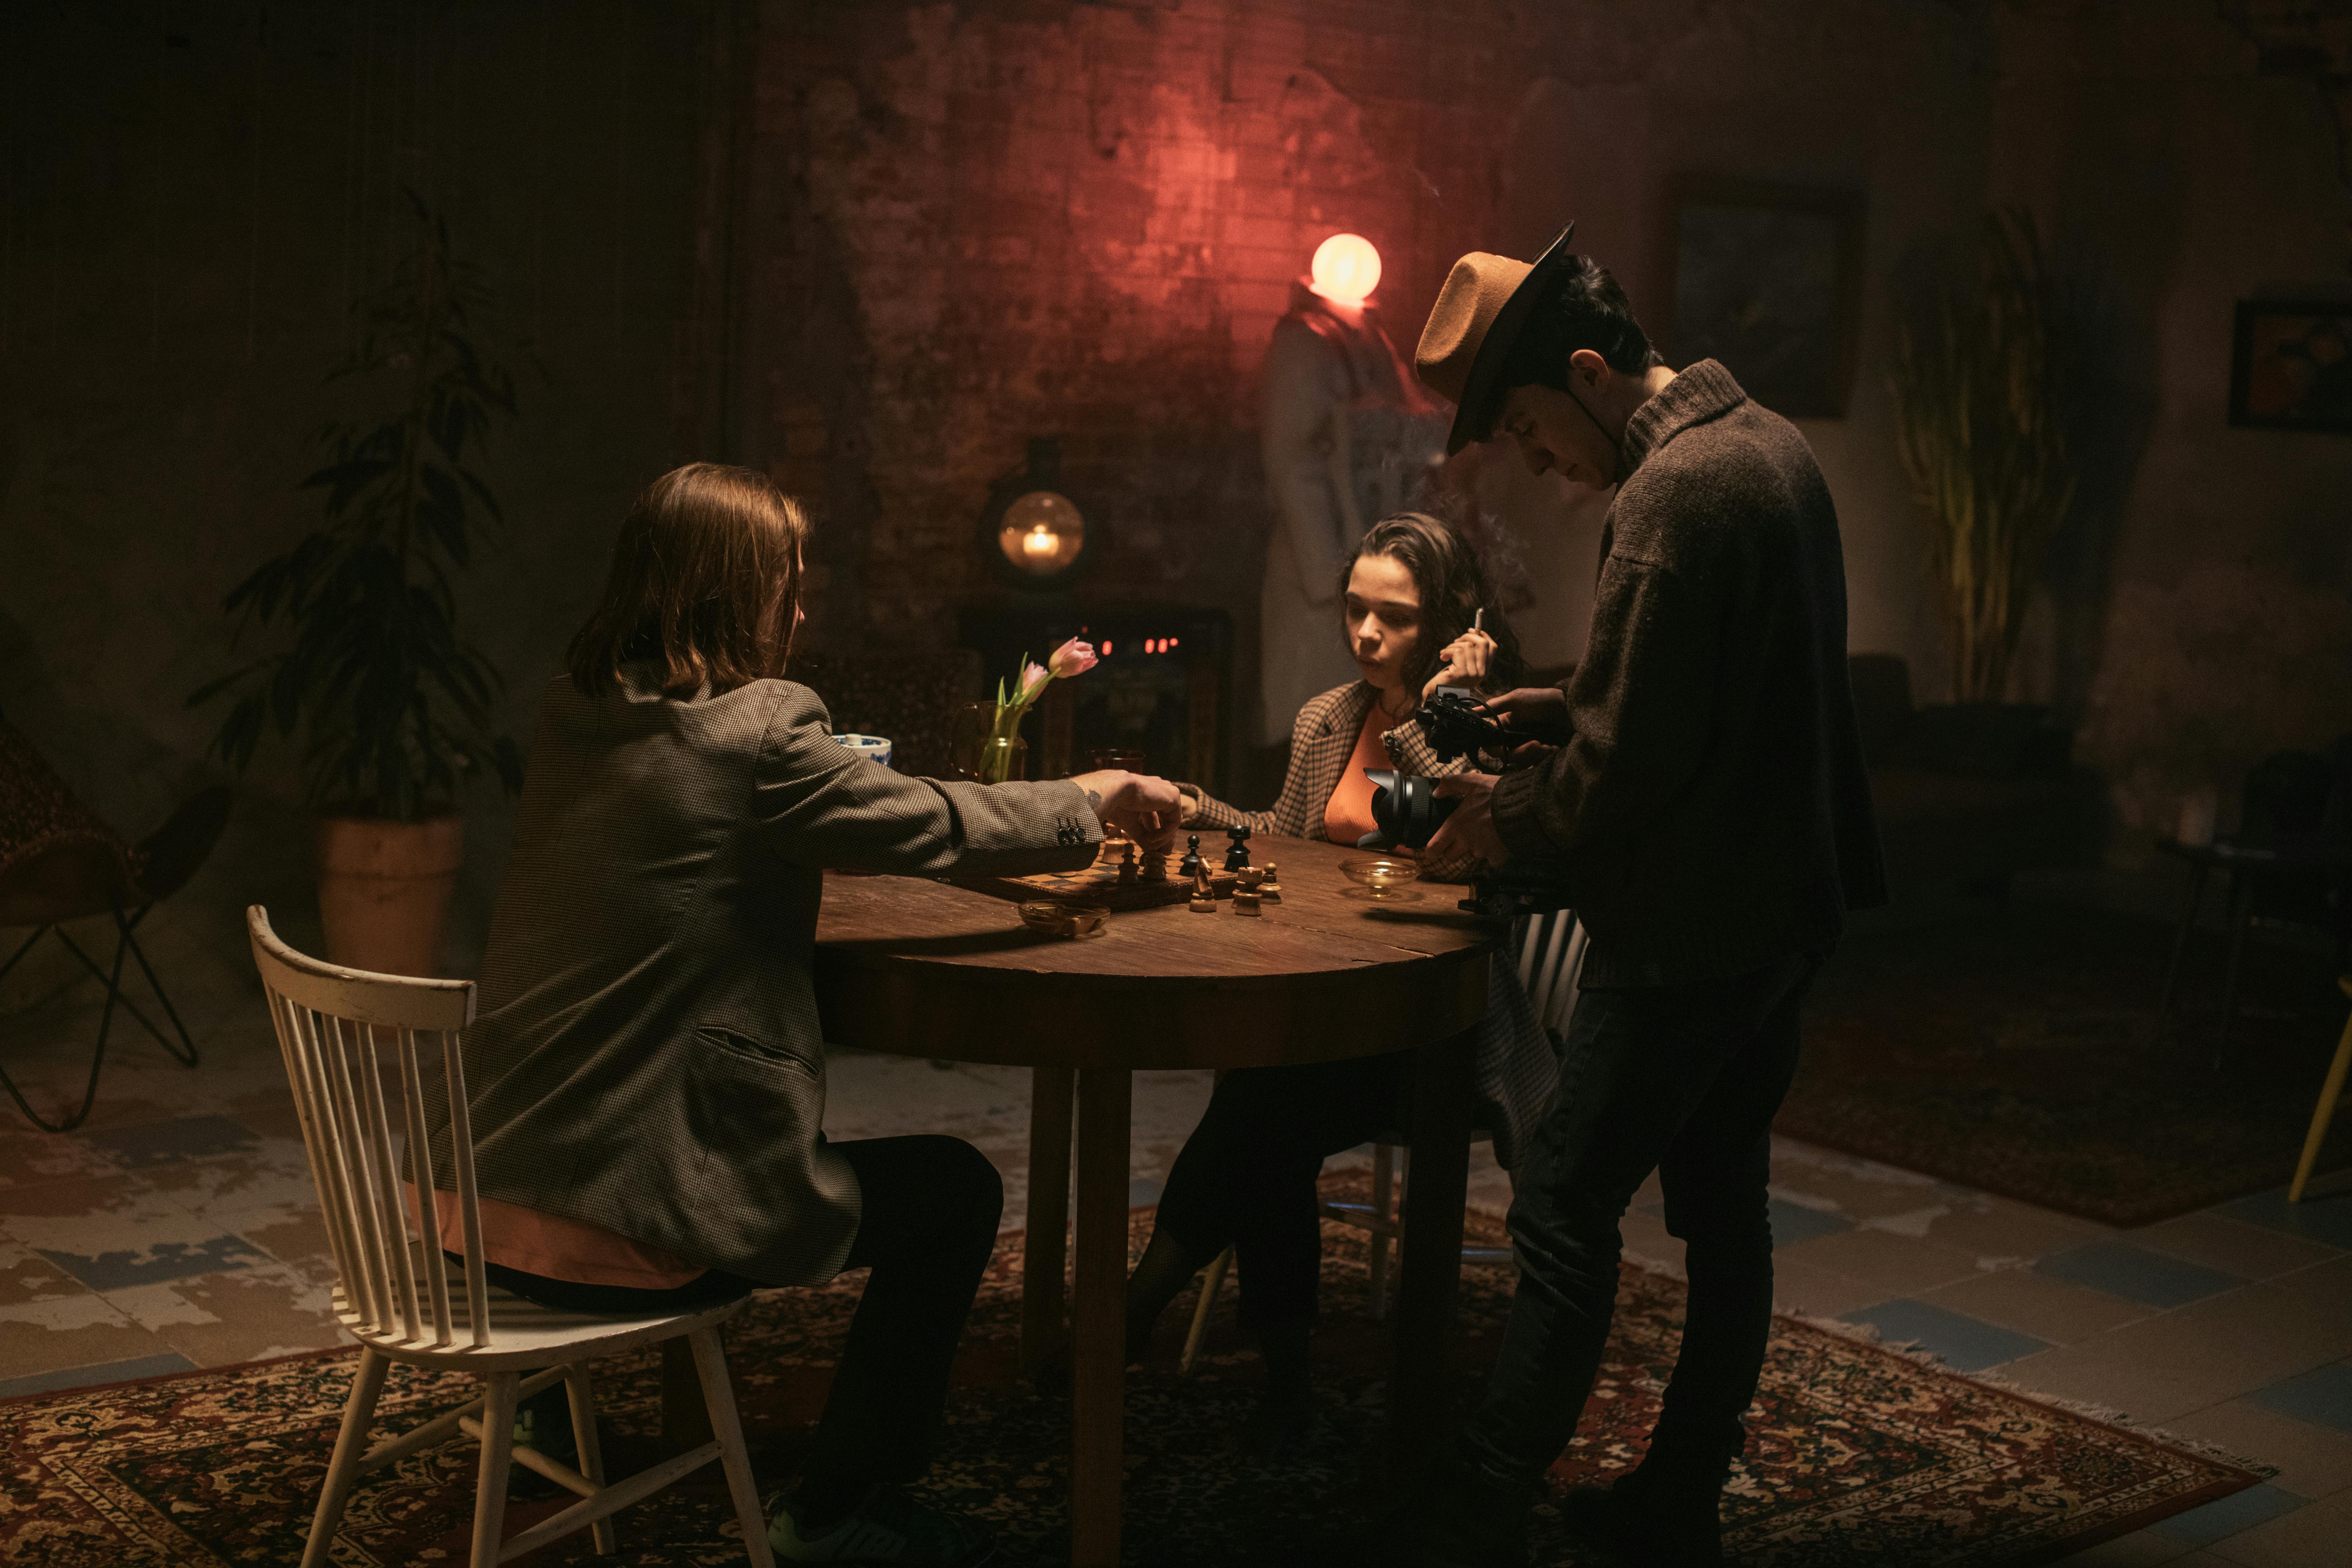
<point>1767,279</point>
<point>2290,365</point>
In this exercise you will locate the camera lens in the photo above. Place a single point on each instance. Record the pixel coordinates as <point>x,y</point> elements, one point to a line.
<point>1407,808</point>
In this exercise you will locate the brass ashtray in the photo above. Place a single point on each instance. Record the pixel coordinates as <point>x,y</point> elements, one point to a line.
<point>1380,878</point>
<point>1065,920</point>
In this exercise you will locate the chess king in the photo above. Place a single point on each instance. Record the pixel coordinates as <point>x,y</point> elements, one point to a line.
<point>1704,806</point>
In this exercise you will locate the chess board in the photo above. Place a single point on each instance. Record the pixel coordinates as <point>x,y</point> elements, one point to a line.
<point>1098,884</point>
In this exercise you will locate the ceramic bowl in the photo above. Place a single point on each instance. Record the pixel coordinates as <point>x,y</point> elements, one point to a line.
<point>1065,920</point>
<point>873,748</point>
<point>1379,876</point>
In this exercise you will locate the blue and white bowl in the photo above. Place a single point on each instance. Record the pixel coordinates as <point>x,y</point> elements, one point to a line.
<point>873,748</point>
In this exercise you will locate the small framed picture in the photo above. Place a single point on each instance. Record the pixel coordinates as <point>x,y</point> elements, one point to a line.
<point>1767,280</point>
<point>2290,365</point>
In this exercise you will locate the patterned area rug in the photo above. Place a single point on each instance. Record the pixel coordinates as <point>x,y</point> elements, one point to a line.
<point>2025,1057</point>
<point>1861,1455</point>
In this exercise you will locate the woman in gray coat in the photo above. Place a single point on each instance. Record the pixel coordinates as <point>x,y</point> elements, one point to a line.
<point>647,1077</point>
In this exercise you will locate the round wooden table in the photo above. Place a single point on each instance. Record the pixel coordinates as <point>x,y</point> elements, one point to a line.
<point>927,969</point>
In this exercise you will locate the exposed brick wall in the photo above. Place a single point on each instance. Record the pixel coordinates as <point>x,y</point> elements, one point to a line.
<point>1080,220</point>
<point>982,222</point>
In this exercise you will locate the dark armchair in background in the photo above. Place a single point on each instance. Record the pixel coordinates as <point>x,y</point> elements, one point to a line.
<point>1968,795</point>
<point>59,861</point>
<point>2289,863</point>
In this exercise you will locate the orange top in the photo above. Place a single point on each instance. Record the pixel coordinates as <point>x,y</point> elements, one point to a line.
<point>1348,815</point>
<point>559,1249</point>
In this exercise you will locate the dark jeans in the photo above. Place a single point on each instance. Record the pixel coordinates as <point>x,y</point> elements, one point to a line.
<point>1246,1177</point>
<point>1685,1080</point>
<point>926,1226</point>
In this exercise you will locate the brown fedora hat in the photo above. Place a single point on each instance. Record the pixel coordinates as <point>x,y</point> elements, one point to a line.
<point>1477,316</point>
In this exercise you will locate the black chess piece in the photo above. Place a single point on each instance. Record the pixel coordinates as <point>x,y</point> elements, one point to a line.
<point>1237,855</point>
<point>1191,862</point>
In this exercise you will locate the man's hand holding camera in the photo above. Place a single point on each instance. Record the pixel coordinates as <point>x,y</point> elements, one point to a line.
<point>1538,712</point>
<point>1471,829</point>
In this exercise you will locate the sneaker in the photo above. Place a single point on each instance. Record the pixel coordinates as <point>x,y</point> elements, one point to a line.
<point>1647,1527</point>
<point>1456,1518</point>
<point>887,1528</point>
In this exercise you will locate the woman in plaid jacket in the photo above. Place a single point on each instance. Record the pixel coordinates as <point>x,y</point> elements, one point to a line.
<point>1410,593</point>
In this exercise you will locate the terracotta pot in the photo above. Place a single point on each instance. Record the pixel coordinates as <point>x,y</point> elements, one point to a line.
<point>384,889</point>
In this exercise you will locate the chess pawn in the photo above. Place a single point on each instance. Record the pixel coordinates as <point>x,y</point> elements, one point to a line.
<point>1246,901</point>
<point>1270,888</point>
<point>1192,863</point>
<point>1237,855</point>
<point>1128,869</point>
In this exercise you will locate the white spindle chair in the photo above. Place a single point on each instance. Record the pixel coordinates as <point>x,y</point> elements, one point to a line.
<point>399,1295</point>
<point>1552,956</point>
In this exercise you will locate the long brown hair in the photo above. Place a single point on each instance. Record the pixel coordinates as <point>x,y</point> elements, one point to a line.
<point>1453,588</point>
<point>705,581</point>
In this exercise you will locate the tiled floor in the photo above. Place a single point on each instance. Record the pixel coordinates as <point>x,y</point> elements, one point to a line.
<point>177,1230</point>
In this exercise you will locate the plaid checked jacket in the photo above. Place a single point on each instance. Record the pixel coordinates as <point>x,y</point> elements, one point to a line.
<point>1517,1069</point>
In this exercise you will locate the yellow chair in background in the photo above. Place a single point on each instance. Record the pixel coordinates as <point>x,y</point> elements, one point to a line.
<point>2331,1095</point>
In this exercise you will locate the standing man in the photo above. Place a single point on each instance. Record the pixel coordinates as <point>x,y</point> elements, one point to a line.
<point>1706,807</point>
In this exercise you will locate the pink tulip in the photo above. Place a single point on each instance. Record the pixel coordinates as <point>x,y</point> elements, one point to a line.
<point>1033,680</point>
<point>1073,657</point>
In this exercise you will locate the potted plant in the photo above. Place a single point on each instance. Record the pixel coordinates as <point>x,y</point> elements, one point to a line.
<point>1979,403</point>
<point>395,709</point>
<point>1980,384</point>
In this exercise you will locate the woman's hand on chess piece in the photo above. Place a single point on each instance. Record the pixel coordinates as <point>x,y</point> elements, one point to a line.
<point>1147,809</point>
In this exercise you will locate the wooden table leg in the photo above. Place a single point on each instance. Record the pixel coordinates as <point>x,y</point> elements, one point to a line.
<point>1099,1334</point>
<point>1422,1381</point>
<point>1049,1213</point>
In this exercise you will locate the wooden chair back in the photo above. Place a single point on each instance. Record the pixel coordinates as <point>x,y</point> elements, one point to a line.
<point>333,1024</point>
<point>1551,957</point>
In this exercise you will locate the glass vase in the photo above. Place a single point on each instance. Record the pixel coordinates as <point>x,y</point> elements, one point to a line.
<point>977,752</point>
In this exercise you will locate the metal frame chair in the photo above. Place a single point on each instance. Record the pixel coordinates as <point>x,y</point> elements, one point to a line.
<point>1551,959</point>
<point>86,871</point>
<point>400,1295</point>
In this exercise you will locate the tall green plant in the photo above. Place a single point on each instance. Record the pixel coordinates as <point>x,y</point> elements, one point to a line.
<point>395,706</point>
<point>1978,401</point>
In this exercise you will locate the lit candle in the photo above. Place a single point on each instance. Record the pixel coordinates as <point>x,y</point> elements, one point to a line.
<point>1039,541</point>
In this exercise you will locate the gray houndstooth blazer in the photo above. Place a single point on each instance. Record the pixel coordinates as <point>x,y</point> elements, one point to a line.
<point>1517,1069</point>
<point>647,1055</point>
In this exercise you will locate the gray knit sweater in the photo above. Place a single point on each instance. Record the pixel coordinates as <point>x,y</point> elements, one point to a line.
<point>1711,812</point>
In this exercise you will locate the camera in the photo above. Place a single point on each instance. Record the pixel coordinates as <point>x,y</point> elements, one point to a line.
<point>1451,722</point>
<point>1409,811</point>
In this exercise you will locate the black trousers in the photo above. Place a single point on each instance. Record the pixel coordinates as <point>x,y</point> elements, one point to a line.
<point>1246,1177</point>
<point>926,1227</point>
<point>1684,1080</point>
